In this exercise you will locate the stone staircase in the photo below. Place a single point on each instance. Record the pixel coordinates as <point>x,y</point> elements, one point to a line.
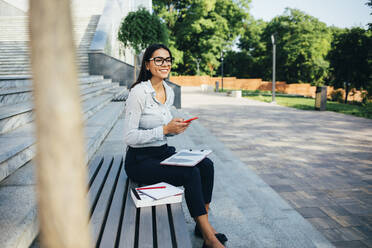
<point>18,224</point>
<point>14,38</point>
<point>18,209</point>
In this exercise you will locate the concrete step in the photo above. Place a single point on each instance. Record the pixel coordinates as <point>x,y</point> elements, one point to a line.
<point>25,51</point>
<point>13,81</point>
<point>14,43</point>
<point>19,224</point>
<point>27,71</point>
<point>97,90</point>
<point>8,83</point>
<point>22,51</point>
<point>18,143</point>
<point>4,65</point>
<point>20,72</point>
<point>17,114</point>
<point>6,43</point>
<point>18,210</point>
<point>22,94</point>
<point>24,60</point>
<point>17,148</point>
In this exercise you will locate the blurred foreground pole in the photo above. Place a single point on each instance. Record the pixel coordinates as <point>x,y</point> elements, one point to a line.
<point>60,160</point>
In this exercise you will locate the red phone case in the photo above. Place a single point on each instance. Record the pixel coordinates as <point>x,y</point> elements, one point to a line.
<point>189,120</point>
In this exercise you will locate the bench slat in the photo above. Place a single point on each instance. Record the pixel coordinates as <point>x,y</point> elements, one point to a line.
<point>145,234</point>
<point>164,236</point>
<point>111,230</point>
<point>129,221</point>
<point>93,166</point>
<point>180,228</point>
<point>107,190</point>
<point>97,183</point>
<point>98,216</point>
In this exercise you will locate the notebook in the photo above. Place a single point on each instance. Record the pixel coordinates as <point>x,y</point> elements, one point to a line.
<point>186,157</point>
<point>160,190</point>
<point>142,200</point>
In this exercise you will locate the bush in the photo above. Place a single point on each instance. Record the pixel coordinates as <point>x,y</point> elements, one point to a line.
<point>337,96</point>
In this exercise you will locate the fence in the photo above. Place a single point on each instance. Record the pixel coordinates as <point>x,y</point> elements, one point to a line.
<point>258,84</point>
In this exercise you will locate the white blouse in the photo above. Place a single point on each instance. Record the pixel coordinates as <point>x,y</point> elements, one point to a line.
<point>145,116</point>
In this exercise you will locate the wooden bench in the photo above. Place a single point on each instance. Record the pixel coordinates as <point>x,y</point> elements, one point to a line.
<point>116,222</point>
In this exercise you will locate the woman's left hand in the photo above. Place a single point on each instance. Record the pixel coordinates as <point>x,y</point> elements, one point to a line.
<point>176,126</point>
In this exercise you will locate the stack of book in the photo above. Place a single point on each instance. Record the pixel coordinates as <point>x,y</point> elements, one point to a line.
<point>156,194</point>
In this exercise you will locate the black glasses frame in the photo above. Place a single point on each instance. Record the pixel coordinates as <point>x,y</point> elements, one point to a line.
<point>157,60</point>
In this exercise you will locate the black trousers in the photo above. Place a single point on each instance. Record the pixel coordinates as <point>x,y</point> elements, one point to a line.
<point>142,165</point>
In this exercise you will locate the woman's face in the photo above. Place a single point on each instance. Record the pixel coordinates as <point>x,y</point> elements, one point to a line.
<point>160,64</point>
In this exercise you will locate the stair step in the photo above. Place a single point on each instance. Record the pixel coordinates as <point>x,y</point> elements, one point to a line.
<point>17,149</point>
<point>18,225</point>
<point>11,81</point>
<point>17,192</point>
<point>18,209</point>
<point>15,115</point>
<point>18,143</point>
<point>22,71</point>
<point>21,94</point>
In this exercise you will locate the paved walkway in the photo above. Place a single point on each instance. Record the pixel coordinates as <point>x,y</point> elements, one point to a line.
<point>319,162</point>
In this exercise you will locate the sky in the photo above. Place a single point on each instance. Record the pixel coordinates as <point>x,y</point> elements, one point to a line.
<point>339,13</point>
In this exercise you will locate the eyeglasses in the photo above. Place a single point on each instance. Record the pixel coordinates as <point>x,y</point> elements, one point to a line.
<point>159,61</point>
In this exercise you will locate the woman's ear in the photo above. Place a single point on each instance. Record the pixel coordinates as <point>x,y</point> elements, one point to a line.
<point>147,65</point>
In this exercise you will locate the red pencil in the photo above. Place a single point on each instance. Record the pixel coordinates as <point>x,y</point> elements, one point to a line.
<point>160,187</point>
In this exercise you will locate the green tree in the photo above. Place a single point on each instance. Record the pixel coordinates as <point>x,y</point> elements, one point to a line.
<point>250,59</point>
<point>302,45</point>
<point>140,29</point>
<point>351,60</point>
<point>201,29</point>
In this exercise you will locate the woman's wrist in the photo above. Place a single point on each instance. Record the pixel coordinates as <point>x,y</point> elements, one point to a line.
<point>165,130</point>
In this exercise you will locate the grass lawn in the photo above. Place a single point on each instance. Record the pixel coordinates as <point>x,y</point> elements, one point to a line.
<point>309,103</point>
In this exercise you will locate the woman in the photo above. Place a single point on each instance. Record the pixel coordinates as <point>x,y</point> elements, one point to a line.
<point>148,123</point>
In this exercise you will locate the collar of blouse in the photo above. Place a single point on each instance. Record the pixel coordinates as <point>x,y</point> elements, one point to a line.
<point>149,89</point>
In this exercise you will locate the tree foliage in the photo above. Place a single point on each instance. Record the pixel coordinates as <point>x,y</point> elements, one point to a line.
<point>140,29</point>
<point>201,29</point>
<point>351,59</point>
<point>302,43</point>
<point>253,50</point>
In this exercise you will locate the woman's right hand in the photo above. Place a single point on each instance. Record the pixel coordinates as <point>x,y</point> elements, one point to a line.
<point>175,126</point>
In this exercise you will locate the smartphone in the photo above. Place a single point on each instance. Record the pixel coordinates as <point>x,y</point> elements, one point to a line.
<point>189,120</point>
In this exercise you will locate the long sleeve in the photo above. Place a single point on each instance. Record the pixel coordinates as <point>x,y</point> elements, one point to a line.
<point>133,135</point>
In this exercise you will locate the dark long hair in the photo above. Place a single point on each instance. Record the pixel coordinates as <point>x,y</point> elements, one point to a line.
<point>145,74</point>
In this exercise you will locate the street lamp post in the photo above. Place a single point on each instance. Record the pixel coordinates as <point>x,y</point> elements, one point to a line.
<point>197,64</point>
<point>222,70</point>
<point>274,53</point>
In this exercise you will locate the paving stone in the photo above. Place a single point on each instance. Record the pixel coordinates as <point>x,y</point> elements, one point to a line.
<point>324,223</point>
<point>327,162</point>
<point>343,234</point>
<point>283,188</point>
<point>244,207</point>
<point>365,230</point>
<point>311,212</point>
<point>347,221</point>
<point>367,242</point>
<point>350,244</point>
<point>335,211</point>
